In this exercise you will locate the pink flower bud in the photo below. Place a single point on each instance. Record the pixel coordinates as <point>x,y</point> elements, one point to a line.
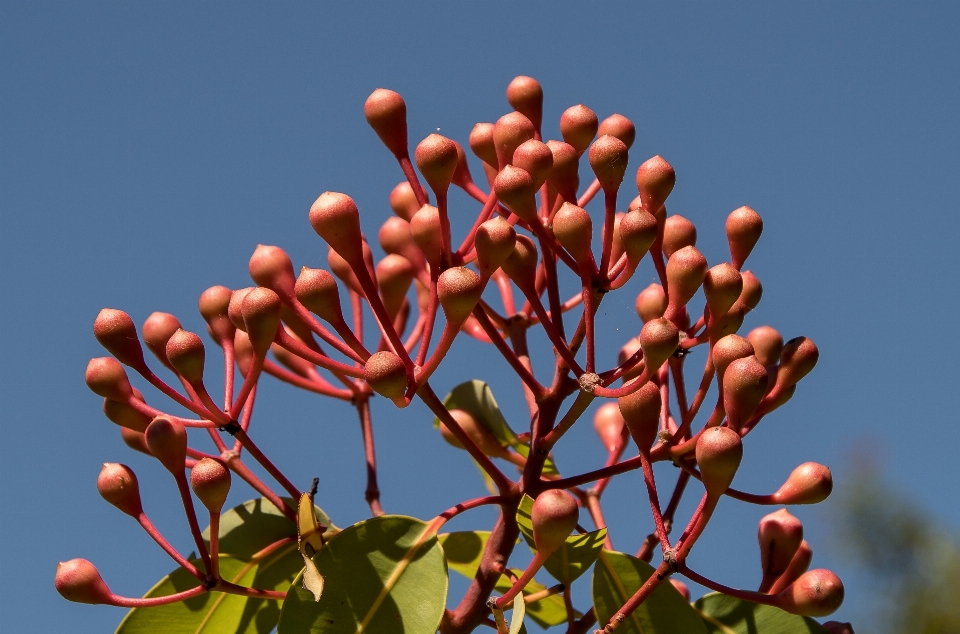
<point>261,316</point>
<point>395,237</point>
<point>752,290</point>
<point>495,241</point>
<point>651,302</point>
<point>780,535</point>
<point>342,269</point>
<point>425,228</point>
<point>436,157</point>
<point>157,330</point>
<point>638,231</point>
<point>481,143</point>
<point>167,440</point>
<point>554,516</point>
<point>214,305</point>
<point>525,95</point>
<point>719,452</point>
<point>535,158</point>
<point>243,351</point>
<point>686,270</point>
<point>608,157</point>
<point>403,201</point>
<point>106,377</point>
<point>641,411</point>
<point>810,483</point>
<point>186,355</point>
<point>458,290</point>
<point>608,423</point>
<point>386,113</point>
<point>210,481</point>
<point>386,374</point>
<point>564,175</point>
<point>118,485</point>
<point>336,219</point>
<point>125,415</point>
<point>394,276</point>
<point>461,174</point>
<point>508,133</point>
<point>744,227</point>
<point>235,308</point>
<point>797,359</point>
<point>627,351</point>
<point>655,181</point>
<point>727,350</point>
<point>517,190</point>
<point>521,266</point>
<point>271,268</point>
<point>681,587</point>
<point>79,581</point>
<point>116,332</point>
<point>482,437</point>
<point>768,344</point>
<point>816,593</point>
<point>722,287</point>
<point>574,230</point>
<point>678,232</point>
<point>135,440</point>
<point>317,291</point>
<point>744,384</point>
<point>799,564</point>
<point>617,125</point>
<point>578,126</point>
<point>836,627</point>
<point>659,339</point>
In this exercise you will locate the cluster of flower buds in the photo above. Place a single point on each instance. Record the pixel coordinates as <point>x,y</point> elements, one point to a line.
<point>494,283</point>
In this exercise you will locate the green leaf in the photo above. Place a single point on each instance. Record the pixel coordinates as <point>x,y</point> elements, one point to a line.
<point>573,558</point>
<point>244,532</point>
<point>517,614</point>
<point>385,574</point>
<point>616,578</point>
<point>723,614</point>
<point>476,398</point>
<point>464,550</point>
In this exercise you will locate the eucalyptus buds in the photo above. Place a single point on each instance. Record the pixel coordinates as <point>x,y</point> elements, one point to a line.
<point>554,516</point>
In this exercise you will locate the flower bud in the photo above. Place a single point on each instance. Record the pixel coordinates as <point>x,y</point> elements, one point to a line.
<point>210,481</point>
<point>79,581</point>
<point>655,181</point>
<point>744,227</point>
<point>781,396</point>
<point>458,290</point>
<point>535,158</point>
<point>317,291</point>
<point>436,158</point>
<point>243,352</point>
<point>628,350</point>
<point>681,587</point>
<point>659,339</point>
<point>395,237</point>
<point>752,290</point>
<point>638,231</point>
<point>271,268</point>
<point>678,232</point>
<point>617,125</point>
<point>767,344</point>
<point>482,437</point>
<point>608,423</point>
<point>722,287</point>
<point>686,270</point>
<point>554,516</point>
<point>157,330</point>
<point>521,266</point>
<point>495,241</point>
<point>481,142</point>
<point>509,132</point>
<point>564,175</point>
<point>799,564</point>
<point>214,305</point>
<point>118,485</point>
<point>234,308</point>
<point>578,126</point>
<point>836,627</point>
<point>186,355</point>
<point>386,113</point>
<point>797,359</point>
<point>386,374</point>
<point>517,190</point>
<point>336,219</point>
<point>394,276</point>
<point>780,535</point>
<point>403,201</point>
<point>106,377</point>
<point>816,593</point>
<point>167,440</point>
<point>125,415</point>
<point>608,159</point>
<point>525,95</point>
<point>261,316</point>
<point>574,230</point>
<point>116,332</point>
<point>719,452</point>
<point>744,384</point>
<point>461,174</point>
<point>810,483</point>
<point>641,411</point>
<point>651,302</point>
<point>342,269</point>
<point>727,350</point>
<point>426,230</point>
<point>135,440</point>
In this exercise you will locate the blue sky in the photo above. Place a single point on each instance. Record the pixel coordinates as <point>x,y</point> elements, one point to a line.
<point>148,148</point>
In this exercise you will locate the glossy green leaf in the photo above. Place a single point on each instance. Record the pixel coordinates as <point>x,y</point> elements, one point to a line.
<point>464,550</point>
<point>245,531</point>
<point>723,614</point>
<point>517,614</point>
<point>574,558</point>
<point>477,398</point>
<point>616,578</point>
<point>385,574</point>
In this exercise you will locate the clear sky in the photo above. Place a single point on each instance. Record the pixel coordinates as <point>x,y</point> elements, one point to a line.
<point>147,148</point>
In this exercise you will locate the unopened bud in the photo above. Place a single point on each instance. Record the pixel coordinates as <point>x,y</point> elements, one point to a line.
<point>651,302</point>
<point>186,355</point>
<point>517,190</point>
<point>816,593</point>
<point>106,377</point>
<point>719,452</point>
<point>752,290</point>
<point>509,132</point>
<point>458,291</point>
<point>535,158</point>
<point>780,535</point>
<point>641,411</point>
<point>214,305</point>
<point>261,316</point>
<point>810,483</point>
<point>722,287</point>
<point>655,180</point>
<point>727,350</point>
<point>521,266</point>
<point>79,581</point>
<point>135,440</point>
<point>798,358</point>
<point>495,241</point>
<point>436,157</point>
<point>386,374</point>
<point>525,95</point>
<point>125,415</point>
<point>394,276</point>
<point>427,233</point>
<point>608,423</point>
<point>317,290</point>
<point>235,308</point>
<point>403,201</point>
<point>481,142</point>
<point>627,351</point>
<point>836,627</point>
<point>271,268</point>
<point>659,339</point>
<point>638,231</point>
<point>243,352</point>
<point>336,219</point>
<point>617,125</point>
<point>578,126</point>
<point>117,333</point>
<point>118,485</point>
<point>342,269</point>
<point>681,587</point>
<point>554,516</point>
<point>744,227</point>
<point>157,330</point>
<point>564,175</point>
<point>608,158</point>
<point>574,230</point>
<point>482,437</point>
<point>167,440</point>
<point>386,113</point>
<point>678,232</point>
<point>686,270</point>
<point>210,481</point>
<point>744,384</point>
<point>767,344</point>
